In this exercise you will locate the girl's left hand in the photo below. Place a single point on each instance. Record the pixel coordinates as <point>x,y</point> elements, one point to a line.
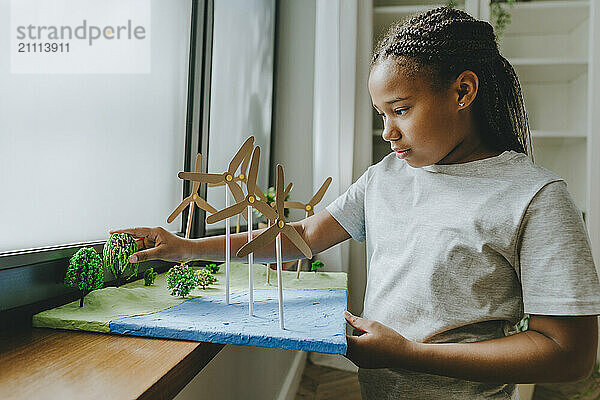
<point>379,347</point>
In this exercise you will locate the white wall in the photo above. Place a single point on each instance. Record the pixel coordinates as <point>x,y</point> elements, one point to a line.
<point>240,372</point>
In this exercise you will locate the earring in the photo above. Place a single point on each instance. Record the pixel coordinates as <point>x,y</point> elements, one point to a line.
<point>461,104</point>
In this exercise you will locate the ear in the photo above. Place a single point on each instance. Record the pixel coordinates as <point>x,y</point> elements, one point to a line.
<point>466,86</point>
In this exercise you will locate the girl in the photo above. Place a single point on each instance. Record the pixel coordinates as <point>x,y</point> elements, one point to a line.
<point>464,233</point>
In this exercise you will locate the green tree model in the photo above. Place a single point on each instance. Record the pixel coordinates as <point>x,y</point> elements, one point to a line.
<point>205,278</point>
<point>213,268</point>
<point>316,265</point>
<point>181,280</point>
<point>85,272</point>
<point>117,250</point>
<point>149,276</point>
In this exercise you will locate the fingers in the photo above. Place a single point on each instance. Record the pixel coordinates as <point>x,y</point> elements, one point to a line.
<point>353,344</point>
<point>140,243</point>
<point>144,255</point>
<point>357,322</point>
<point>352,340</point>
<point>138,232</point>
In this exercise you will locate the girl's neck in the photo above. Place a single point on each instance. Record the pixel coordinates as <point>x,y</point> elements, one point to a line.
<point>470,149</point>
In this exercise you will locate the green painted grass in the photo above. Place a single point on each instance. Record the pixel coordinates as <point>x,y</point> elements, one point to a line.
<point>104,305</point>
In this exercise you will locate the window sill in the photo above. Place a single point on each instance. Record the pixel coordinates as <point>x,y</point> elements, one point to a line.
<point>58,364</point>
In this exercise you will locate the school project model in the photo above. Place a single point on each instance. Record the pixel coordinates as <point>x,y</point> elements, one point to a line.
<point>226,309</point>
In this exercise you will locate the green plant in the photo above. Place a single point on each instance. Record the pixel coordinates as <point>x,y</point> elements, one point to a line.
<point>500,16</point>
<point>451,4</point>
<point>523,324</point>
<point>149,276</point>
<point>181,280</point>
<point>213,268</point>
<point>205,278</point>
<point>316,265</point>
<point>116,253</point>
<point>85,272</point>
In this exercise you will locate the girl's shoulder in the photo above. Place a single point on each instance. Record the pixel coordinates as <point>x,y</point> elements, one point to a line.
<point>507,164</point>
<point>524,172</point>
<point>509,168</point>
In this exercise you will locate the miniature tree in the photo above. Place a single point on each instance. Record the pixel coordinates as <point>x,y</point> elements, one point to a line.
<point>181,280</point>
<point>205,278</point>
<point>213,268</point>
<point>149,276</point>
<point>85,272</point>
<point>316,265</point>
<point>117,250</point>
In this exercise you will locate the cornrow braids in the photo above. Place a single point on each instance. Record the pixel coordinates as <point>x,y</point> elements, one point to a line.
<point>442,43</point>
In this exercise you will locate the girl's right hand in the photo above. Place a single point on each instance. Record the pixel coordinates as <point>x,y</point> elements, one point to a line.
<point>157,244</point>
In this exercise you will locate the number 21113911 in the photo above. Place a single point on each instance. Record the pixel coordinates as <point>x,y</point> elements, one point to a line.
<point>43,47</point>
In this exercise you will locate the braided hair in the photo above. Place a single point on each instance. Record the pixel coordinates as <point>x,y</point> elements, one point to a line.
<point>442,43</point>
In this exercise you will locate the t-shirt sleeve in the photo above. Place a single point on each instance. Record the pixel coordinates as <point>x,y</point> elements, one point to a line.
<point>557,271</point>
<point>349,208</point>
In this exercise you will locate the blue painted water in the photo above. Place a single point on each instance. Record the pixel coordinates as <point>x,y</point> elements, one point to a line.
<point>314,320</point>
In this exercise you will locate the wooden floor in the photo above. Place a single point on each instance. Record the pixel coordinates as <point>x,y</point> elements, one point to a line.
<point>588,389</point>
<point>322,383</point>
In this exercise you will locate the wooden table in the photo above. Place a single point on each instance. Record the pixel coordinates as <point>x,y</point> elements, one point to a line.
<point>57,364</point>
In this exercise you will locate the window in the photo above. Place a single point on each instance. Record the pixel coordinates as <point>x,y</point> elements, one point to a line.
<point>241,87</point>
<point>83,153</point>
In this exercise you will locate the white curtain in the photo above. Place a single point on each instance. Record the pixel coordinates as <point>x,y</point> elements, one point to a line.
<point>334,107</point>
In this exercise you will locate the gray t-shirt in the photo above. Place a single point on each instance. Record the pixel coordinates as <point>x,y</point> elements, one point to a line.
<point>458,253</point>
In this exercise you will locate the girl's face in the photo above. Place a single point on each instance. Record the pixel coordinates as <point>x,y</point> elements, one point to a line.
<point>422,126</point>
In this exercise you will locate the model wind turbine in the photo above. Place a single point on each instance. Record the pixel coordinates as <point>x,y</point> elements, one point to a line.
<point>309,208</point>
<point>226,178</point>
<point>249,202</point>
<point>270,222</point>
<point>274,232</point>
<point>242,177</point>
<point>193,198</point>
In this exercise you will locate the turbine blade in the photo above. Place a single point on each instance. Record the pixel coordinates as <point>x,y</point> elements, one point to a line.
<point>226,212</point>
<point>288,189</point>
<point>297,240</point>
<point>253,173</point>
<point>279,191</point>
<point>179,209</point>
<point>320,193</point>
<point>238,195</point>
<point>293,204</point>
<point>265,209</point>
<point>198,165</point>
<point>259,242</point>
<point>195,187</point>
<point>243,152</point>
<point>201,177</point>
<point>244,167</point>
<point>198,168</point>
<point>260,194</point>
<point>200,202</point>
